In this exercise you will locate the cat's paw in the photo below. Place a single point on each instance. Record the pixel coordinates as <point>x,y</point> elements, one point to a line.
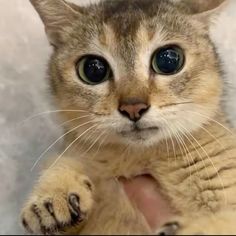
<point>54,208</point>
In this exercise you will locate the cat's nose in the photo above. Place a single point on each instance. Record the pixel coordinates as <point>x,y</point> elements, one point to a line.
<point>133,109</point>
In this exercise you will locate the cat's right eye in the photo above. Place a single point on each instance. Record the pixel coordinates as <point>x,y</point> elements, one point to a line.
<point>93,70</point>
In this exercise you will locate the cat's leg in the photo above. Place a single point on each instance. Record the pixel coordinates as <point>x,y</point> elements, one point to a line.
<point>219,223</point>
<point>114,214</point>
<point>62,199</point>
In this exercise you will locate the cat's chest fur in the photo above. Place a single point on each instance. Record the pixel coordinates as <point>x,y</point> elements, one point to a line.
<point>110,166</point>
<point>179,178</point>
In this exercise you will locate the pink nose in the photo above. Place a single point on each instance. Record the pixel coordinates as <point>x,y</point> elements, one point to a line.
<point>133,109</point>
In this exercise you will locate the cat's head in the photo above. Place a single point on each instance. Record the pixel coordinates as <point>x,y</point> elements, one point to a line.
<point>144,70</point>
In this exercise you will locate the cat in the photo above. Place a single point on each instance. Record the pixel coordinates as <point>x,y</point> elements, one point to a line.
<point>140,87</point>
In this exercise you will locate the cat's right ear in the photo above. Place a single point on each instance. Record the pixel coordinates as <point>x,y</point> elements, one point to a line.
<point>206,11</point>
<point>57,16</point>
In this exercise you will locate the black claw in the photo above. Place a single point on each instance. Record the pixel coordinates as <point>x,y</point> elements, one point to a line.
<point>24,223</point>
<point>49,207</point>
<point>169,229</point>
<point>74,202</point>
<point>45,230</point>
<point>26,226</point>
<point>172,224</point>
<point>74,206</point>
<point>36,211</point>
<point>49,231</point>
<point>89,185</point>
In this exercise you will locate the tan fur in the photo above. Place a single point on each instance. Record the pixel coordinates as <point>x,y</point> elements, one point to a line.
<point>192,156</point>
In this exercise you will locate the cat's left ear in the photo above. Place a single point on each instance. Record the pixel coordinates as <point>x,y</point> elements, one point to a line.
<point>57,16</point>
<point>207,11</point>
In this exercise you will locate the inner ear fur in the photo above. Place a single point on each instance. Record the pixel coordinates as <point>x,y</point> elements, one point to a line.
<point>57,16</point>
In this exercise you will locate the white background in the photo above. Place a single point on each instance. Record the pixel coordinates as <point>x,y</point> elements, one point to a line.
<point>24,53</point>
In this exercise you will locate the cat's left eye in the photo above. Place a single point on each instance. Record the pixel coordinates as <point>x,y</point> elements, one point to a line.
<point>93,70</point>
<point>168,60</point>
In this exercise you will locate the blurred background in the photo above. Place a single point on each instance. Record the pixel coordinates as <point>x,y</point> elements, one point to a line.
<point>24,53</point>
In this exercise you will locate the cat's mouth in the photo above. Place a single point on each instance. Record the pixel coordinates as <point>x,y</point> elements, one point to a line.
<point>139,131</point>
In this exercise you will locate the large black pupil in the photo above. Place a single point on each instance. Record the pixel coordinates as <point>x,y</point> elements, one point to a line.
<point>95,69</point>
<point>168,60</point>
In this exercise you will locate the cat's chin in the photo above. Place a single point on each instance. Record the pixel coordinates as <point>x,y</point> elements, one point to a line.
<point>144,137</point>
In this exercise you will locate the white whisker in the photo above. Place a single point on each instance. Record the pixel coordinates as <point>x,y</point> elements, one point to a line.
<point>86,138</point>
<point>55,142</point>
<point>209,158</point>
<point>93,144</point>
<point>196,150</point>
<point>50,112</point>
<point>187,152</point>
<point>215,121</point>
<point>71,144</point>
<point>167,146</point>
<point>83,141</point>
<point>172,141</point>
<point>75,119</point>
<point>100,145</point>
<point>211,135</point>
<point>186,135</point>
<point>180,142</point>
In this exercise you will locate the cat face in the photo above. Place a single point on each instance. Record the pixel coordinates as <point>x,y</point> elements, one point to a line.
<point>144,70</point>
